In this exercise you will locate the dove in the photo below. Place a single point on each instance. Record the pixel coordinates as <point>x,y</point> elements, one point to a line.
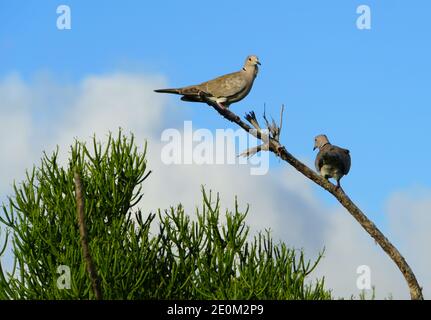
<point>223,90</point>
<point>331,161</point>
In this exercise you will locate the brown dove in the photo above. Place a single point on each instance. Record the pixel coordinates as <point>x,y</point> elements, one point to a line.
<point>331,161</point>
<point>223,90</point>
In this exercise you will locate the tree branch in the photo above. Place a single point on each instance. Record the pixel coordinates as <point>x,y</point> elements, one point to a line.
<point>91,268</point>
<point>276,148</point>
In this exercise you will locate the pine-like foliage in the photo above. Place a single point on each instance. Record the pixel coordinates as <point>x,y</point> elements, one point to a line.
<point>199,258</point>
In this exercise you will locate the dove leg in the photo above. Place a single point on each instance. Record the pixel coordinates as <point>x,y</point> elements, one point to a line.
<point>210,100</point>
<point>221,105</point>
<point>339,184</point>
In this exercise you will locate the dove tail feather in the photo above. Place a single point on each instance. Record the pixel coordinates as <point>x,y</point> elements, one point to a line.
<point>174,91</point>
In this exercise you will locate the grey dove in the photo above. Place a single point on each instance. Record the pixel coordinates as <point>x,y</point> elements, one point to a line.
<point>223,90</point>
<point>331,161</point>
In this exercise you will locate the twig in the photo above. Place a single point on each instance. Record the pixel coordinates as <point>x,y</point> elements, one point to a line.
<point>281,117</point>
<point>252,151</point>
<point>338,193</point>
<point>91,268</point>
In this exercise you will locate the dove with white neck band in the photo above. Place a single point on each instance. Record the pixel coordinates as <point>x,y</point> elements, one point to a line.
<point>223,90</point>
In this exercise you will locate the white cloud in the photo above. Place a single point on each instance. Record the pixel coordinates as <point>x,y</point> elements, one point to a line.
<point>409,214</point>
<point>15,130</point>
<point>282,200</point>
<point>348,247</point>
<point>107,102</point>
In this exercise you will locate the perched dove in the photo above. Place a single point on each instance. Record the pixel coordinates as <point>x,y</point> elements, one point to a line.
<point>223,90</point>
<point>331,161</point>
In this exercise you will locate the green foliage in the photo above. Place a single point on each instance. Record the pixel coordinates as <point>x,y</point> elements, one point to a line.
<point>185,259</point>
<point>363,295</point>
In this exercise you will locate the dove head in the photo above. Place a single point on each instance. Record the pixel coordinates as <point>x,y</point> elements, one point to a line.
<point>251,61</point>
<point>320,141</point>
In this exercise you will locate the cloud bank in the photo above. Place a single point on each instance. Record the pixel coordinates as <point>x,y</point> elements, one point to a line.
<point>39,115</point>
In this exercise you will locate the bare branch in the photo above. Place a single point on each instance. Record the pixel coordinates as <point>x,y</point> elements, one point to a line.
<point>251,117</point>
<point>91,268</point>
<point>276,148</point>
<point>252,151</point>
<point>281,117</point>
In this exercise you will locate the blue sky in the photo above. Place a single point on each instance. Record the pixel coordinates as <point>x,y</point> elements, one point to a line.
<point>366,89</point>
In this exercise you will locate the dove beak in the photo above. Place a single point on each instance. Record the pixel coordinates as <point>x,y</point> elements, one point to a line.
<point>314,148</point>
<point>258,62</point>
